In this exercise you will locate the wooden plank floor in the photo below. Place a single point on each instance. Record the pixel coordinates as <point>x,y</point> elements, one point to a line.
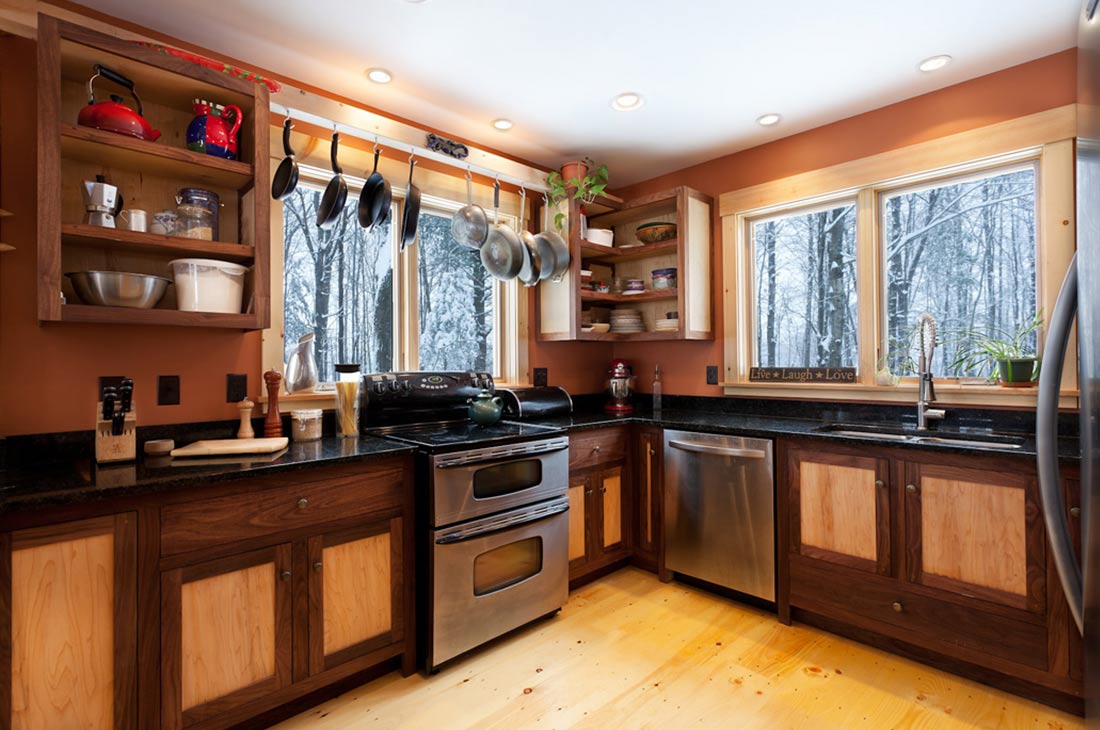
<point>630,652</point>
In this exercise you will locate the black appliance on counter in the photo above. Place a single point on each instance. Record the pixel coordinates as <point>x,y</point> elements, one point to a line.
<point>492,523</point>
<point>539,402</point>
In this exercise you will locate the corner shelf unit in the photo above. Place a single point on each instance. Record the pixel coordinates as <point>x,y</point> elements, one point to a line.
<point>560,307</point>
<point>147,175</point>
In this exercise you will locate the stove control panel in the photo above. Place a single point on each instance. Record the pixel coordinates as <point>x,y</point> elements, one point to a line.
<point>426,386</point>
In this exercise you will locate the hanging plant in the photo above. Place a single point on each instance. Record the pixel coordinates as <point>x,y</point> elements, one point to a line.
<point>586,188</point>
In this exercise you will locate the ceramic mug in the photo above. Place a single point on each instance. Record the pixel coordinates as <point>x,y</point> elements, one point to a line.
<point>164,222</point>
<point>135,219</point>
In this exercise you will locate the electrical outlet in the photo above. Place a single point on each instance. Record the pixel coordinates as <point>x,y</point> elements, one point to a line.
<point>236,387</point>
<point>540,377</point>
<point>109,381</point>
<point>712,375</point>
<point>168,390</point>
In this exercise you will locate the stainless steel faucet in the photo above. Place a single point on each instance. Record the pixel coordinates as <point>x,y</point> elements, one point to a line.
<point>926,389</point>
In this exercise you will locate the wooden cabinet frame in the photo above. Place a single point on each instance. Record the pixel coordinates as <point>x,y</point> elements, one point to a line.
<point>649,493</point>
<point>173,716</point>
<point>123,529</point>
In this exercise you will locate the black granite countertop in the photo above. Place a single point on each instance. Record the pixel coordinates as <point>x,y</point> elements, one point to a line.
<point>71,481</point>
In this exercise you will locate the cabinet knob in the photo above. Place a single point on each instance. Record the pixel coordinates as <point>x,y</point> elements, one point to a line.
<point>303,503</point>
<point>911,488</point>
<point>652,451</point>
<point>285,575</point>
<point>603,490</point>
<point>588,491</point>
<point>318,566</point>
<point>596,449</point>
<point>1075,511</point>
<point>879,484</point>
<point>898,608</point>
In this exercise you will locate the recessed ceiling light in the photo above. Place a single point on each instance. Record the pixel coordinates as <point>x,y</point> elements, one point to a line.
<point>379,75</point>
<point>502,124</point>
<point>935,63</point>
<point>768,120</point>
<point>627,101</point>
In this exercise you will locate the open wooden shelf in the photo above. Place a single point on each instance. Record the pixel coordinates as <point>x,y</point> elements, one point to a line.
<point>117,239</point>
<point>119,151</point>
<point>628,336</point>
<point>129,315</point>
<point>649,296</point>
<point>613,255</point>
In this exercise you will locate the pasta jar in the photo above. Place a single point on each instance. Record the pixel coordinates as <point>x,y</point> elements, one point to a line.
<point>305,424</point>
<point>348,382</point>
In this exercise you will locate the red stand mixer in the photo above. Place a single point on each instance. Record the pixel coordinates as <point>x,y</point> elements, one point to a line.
<point>620,386</point>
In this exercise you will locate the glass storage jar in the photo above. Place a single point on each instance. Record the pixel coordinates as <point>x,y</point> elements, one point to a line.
<point>198,211</point>
<point>305,424</point>
<point>348,383</point>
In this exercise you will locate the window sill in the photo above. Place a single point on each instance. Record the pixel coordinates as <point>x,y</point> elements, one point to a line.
<point>326,399</point>
<point>969,394</point>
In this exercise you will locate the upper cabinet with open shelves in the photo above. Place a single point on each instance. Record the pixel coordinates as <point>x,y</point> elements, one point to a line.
<point>567,310</point>
<point>147,173</point>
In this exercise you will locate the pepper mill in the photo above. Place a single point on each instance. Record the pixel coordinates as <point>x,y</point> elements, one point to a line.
<point>273,424</point>
<point>245,431</point>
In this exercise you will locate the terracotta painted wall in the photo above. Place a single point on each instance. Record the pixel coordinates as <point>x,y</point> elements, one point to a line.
<point>1014,92</point>
<point>48,373</point>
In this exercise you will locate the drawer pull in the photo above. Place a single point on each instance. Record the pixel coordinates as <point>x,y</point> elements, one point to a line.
<point>285,575</point>
<point>1075,511</point>
<point>898,608</point>
<point>318,566</point>
<point>879,483</point>
<point>911,488</point>
<point>596,449</point>
<point>303,503</point>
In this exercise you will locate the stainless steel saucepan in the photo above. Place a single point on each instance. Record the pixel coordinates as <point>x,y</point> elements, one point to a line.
<point>470,225</point>
<point>553,250</point>
<point>502,254</point>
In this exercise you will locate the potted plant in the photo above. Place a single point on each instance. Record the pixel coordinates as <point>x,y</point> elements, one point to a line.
<point>1007,356</point>
<point>577,182</point>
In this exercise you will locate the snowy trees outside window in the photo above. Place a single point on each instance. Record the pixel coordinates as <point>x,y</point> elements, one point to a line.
<point>337,282</point>
<point>963,251</point>
<point>804,285</point>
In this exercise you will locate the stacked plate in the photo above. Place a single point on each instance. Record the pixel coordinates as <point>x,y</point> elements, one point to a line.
<point>668,325</point>
<point>627,321</point>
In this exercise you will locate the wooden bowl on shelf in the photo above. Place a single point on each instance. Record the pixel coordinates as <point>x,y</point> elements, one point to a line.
<point>655,232</point>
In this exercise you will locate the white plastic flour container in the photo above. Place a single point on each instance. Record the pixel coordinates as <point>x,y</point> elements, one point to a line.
<point>206,285</point>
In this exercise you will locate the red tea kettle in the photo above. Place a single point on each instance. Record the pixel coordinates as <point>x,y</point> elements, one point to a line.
<point>113,115</point>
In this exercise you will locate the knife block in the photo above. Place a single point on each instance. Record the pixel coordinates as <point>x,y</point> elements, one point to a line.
<point>109,447</point>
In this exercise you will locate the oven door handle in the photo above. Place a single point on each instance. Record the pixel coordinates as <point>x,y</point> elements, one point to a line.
<point>492,458</point>
<point>491,526</point>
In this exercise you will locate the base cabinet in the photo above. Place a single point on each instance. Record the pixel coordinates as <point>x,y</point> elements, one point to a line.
<point>599,494</point>
<point>72,637</point>
<point>649,492</point>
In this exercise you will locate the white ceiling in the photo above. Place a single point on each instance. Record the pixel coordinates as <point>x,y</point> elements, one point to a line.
<point>707,68</point>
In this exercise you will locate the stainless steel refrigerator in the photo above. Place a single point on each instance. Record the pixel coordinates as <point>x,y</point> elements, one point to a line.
<point>1079,297</point>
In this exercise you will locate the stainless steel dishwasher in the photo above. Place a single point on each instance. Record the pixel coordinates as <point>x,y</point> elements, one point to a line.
<point>720,510</point>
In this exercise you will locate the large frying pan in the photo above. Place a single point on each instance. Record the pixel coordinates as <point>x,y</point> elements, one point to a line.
<point>412,210</point>
<point>376,197</point>
<point>336,192</point>
<point>503,252</point>
<point>286,174</point>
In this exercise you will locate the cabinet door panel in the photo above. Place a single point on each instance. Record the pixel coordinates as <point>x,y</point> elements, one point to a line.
<point>73,623</point>
<point>611,507</point>
<point>977,533</point>
<point>650,493</point>
<point>840,509</point>
<point>578,487</point>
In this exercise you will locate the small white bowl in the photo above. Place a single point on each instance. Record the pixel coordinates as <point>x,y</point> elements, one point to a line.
<point>601,236</point>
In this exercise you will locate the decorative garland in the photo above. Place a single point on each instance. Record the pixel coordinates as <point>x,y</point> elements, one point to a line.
<point>225,68</point>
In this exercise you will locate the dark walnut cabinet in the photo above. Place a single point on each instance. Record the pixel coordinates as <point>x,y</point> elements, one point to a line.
<point>938,556</point>
<point>600,500</point>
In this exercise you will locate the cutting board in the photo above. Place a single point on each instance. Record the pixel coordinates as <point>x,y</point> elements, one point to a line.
<point>221,447</point>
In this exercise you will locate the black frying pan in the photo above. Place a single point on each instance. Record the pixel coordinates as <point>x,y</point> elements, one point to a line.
<point>286,174</point>
<point>375,199</point>
<point>336,192</point>
<point>412,211</point>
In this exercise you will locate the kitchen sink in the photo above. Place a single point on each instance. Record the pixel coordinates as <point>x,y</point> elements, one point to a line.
<point>911,435</point>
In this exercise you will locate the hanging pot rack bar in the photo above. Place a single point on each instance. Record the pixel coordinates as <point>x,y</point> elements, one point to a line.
<point>416,150</point>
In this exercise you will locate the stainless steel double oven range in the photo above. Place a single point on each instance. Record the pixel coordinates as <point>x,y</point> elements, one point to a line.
<point>492,510</point>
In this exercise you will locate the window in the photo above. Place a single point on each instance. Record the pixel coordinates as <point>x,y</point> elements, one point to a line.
<point>963,251</point>
<point>337,282</point>
<point>804,288</point>
<point>347,286</point>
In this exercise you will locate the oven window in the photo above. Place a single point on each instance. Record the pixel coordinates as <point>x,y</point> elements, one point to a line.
<point>501,479</point>
<point>507,565</point>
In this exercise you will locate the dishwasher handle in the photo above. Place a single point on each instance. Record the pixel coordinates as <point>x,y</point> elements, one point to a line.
<point>718,450</point>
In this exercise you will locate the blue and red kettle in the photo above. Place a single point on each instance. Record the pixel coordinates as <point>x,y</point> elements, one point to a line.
<point>113,115</point>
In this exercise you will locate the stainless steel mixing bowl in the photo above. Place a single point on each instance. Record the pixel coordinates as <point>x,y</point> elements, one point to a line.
<point>118,288</point>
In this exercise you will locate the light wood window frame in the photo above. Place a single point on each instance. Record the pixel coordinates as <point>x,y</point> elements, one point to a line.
<point>1047,138</point>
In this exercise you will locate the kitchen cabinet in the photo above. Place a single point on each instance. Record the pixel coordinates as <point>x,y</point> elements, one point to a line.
<point>147,174</point>
<point>71,643</point>
<point>649,491</point>
<point>940,557</point>
<point>561,306</point>
<point>226,629</point>
<point>599,501</point>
